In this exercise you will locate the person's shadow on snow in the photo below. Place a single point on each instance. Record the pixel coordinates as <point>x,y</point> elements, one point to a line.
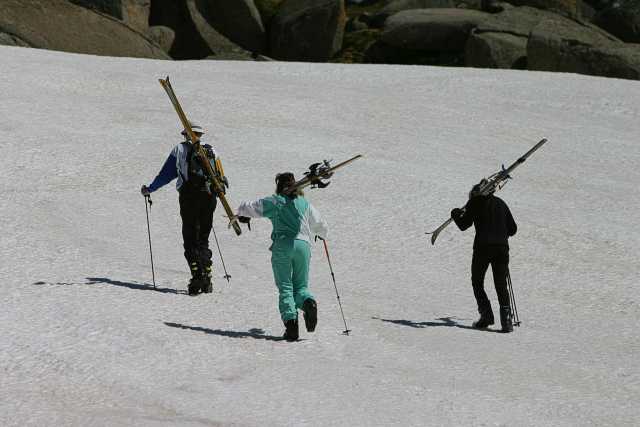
<point>252,333</point>
<point>104,280</point>
<point>444,321</point>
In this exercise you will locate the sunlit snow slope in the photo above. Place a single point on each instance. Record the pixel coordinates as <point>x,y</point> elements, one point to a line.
<point>85,339</point>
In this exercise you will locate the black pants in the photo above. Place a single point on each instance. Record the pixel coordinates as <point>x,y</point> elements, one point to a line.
<point>196,210</point>
<point>498,257</point>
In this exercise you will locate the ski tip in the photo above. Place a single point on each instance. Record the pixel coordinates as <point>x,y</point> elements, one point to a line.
<point>434,236</point>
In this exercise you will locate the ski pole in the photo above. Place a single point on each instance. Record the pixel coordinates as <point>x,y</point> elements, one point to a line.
<point>147,201</point>
<point>333,276</point>
<point>512,299</point>
<point>226,275</point>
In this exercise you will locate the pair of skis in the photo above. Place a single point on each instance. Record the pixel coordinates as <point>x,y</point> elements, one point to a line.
<point>314,177</point>
<point>217,186</point>
<point>492,184</point>
<point>317,173</point>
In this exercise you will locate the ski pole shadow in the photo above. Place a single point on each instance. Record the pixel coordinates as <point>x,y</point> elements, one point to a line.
<point>256,333</point>
<point>131,285</point>
<point>104,280</point>
<point>443,321</point>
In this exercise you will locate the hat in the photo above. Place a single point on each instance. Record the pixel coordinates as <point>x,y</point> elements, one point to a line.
<point>195,128</point>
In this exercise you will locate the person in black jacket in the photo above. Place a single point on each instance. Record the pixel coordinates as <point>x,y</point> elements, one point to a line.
<point>494,225</point>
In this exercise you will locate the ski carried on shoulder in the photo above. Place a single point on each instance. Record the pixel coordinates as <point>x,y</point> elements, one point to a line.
<point>217,186</point>
<point>492,184</point>
<point>317,173</point>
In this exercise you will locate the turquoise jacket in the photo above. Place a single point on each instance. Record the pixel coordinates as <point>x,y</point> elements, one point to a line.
<point>291,218</point>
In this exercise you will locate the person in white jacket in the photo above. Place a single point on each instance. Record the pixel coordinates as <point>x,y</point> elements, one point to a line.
<point>295,222</point>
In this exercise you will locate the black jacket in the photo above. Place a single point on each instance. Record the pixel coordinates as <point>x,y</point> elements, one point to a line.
<point>492,219</point>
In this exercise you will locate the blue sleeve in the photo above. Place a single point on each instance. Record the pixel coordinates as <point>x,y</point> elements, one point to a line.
<point>168,173</point>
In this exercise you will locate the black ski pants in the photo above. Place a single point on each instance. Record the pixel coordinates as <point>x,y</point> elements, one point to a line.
<point>196,210</point>
<point>498,257</point>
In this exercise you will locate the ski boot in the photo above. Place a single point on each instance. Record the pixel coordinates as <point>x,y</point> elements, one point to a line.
<point>291,332</point>
<point>310,310</point>
<point>195,283</point>
<point>207,283</point>
<point>485,320</point>
<point>505,319</point>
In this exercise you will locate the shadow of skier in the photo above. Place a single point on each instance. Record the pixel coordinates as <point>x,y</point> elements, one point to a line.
<point>444,321</point>
<point>252,333</point>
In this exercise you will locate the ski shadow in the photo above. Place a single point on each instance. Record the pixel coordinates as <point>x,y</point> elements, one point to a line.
<point>107,281</point>
<point>255,333</point>
<point>443,321</point>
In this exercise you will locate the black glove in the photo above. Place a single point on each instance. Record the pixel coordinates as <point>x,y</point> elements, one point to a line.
<point>245,220</point>
<point>456,213</point>
<point>145,191</point>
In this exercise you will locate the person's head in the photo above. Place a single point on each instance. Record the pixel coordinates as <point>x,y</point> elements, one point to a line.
<point>284,180</point>
<point>197,129</point>
<point>476,189</point>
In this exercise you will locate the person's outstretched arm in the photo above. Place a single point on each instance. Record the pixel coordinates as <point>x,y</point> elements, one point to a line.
<point>254,209</point>
<point>168,173</point>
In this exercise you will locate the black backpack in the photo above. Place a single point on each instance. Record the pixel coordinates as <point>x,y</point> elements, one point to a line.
<point>197,176</point>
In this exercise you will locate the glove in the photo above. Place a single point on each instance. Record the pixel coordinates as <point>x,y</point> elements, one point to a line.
<point>245,220</point>
<point>145,191</point>
<point>456,213</point>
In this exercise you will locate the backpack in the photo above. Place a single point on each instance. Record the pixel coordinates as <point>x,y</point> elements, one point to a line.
<point>197,176</point>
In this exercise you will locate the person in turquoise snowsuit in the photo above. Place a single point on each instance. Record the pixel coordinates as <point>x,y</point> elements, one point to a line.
<point>295,222</point>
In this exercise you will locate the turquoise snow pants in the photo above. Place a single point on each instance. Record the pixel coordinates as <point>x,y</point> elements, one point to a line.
<point>290,263</point>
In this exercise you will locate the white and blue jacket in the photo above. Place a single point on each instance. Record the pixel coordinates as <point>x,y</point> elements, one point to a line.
<point>176,166</point>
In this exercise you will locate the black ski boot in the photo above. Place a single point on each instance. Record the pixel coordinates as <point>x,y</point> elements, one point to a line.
<point>505,319</point>
<point>195,284</point>
<point>207,283</point>
<point>310,310</point>
<point>485,320</point>
<point>291,333</point>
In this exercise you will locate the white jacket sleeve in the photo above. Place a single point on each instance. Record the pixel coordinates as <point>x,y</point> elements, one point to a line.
<point>251,209</point>
<point>317,225</point>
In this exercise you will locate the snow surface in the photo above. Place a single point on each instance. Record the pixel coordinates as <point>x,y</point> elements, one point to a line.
<point>85,339</point>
